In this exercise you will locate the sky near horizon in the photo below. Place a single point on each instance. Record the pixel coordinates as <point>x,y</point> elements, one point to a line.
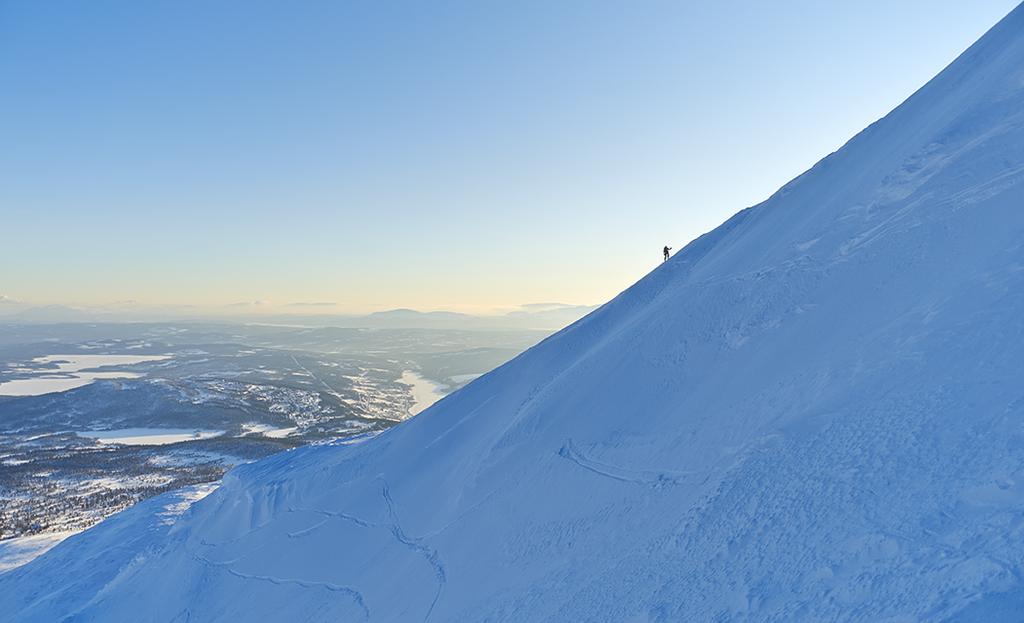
<point>460,155</point>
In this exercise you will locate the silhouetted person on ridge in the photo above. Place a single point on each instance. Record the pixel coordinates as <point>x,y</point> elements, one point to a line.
<point>666,250</point>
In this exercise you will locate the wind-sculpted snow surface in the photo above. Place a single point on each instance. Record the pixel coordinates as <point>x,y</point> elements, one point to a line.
<point>813,413</point>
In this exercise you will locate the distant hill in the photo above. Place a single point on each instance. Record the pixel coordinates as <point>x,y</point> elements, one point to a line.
<point>549,317</point>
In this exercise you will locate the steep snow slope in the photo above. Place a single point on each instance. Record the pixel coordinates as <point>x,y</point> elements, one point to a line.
<point>815,412</point>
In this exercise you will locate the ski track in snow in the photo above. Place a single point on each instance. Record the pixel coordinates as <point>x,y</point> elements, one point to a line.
<point>414,544</point>
<point>650,478</point>
<point>337,588</point>
<point>393,527</point>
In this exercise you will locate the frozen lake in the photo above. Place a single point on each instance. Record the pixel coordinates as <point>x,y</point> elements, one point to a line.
<point>255,428</point>
<point>69,372</point>
<point>424,391</point>
<point>149,436</point>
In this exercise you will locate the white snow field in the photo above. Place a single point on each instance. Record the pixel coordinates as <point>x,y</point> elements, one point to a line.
<point>813,413</point>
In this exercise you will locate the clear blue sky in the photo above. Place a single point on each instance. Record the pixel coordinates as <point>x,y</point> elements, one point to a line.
<point>463,155</point>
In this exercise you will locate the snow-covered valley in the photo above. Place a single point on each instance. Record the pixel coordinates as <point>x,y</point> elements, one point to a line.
<point>91,431</point>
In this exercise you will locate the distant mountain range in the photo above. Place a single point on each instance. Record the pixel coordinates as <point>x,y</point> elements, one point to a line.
<point>530,317</point>
<point>539,316</point>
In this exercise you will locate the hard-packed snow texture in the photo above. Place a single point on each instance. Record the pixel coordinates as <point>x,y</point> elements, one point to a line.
<point>815,412</point>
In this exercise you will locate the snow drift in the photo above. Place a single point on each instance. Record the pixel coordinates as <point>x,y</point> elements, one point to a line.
<point>814,412</point>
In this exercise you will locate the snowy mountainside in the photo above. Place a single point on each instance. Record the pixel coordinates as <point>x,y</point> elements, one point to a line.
<point>814,412</point>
